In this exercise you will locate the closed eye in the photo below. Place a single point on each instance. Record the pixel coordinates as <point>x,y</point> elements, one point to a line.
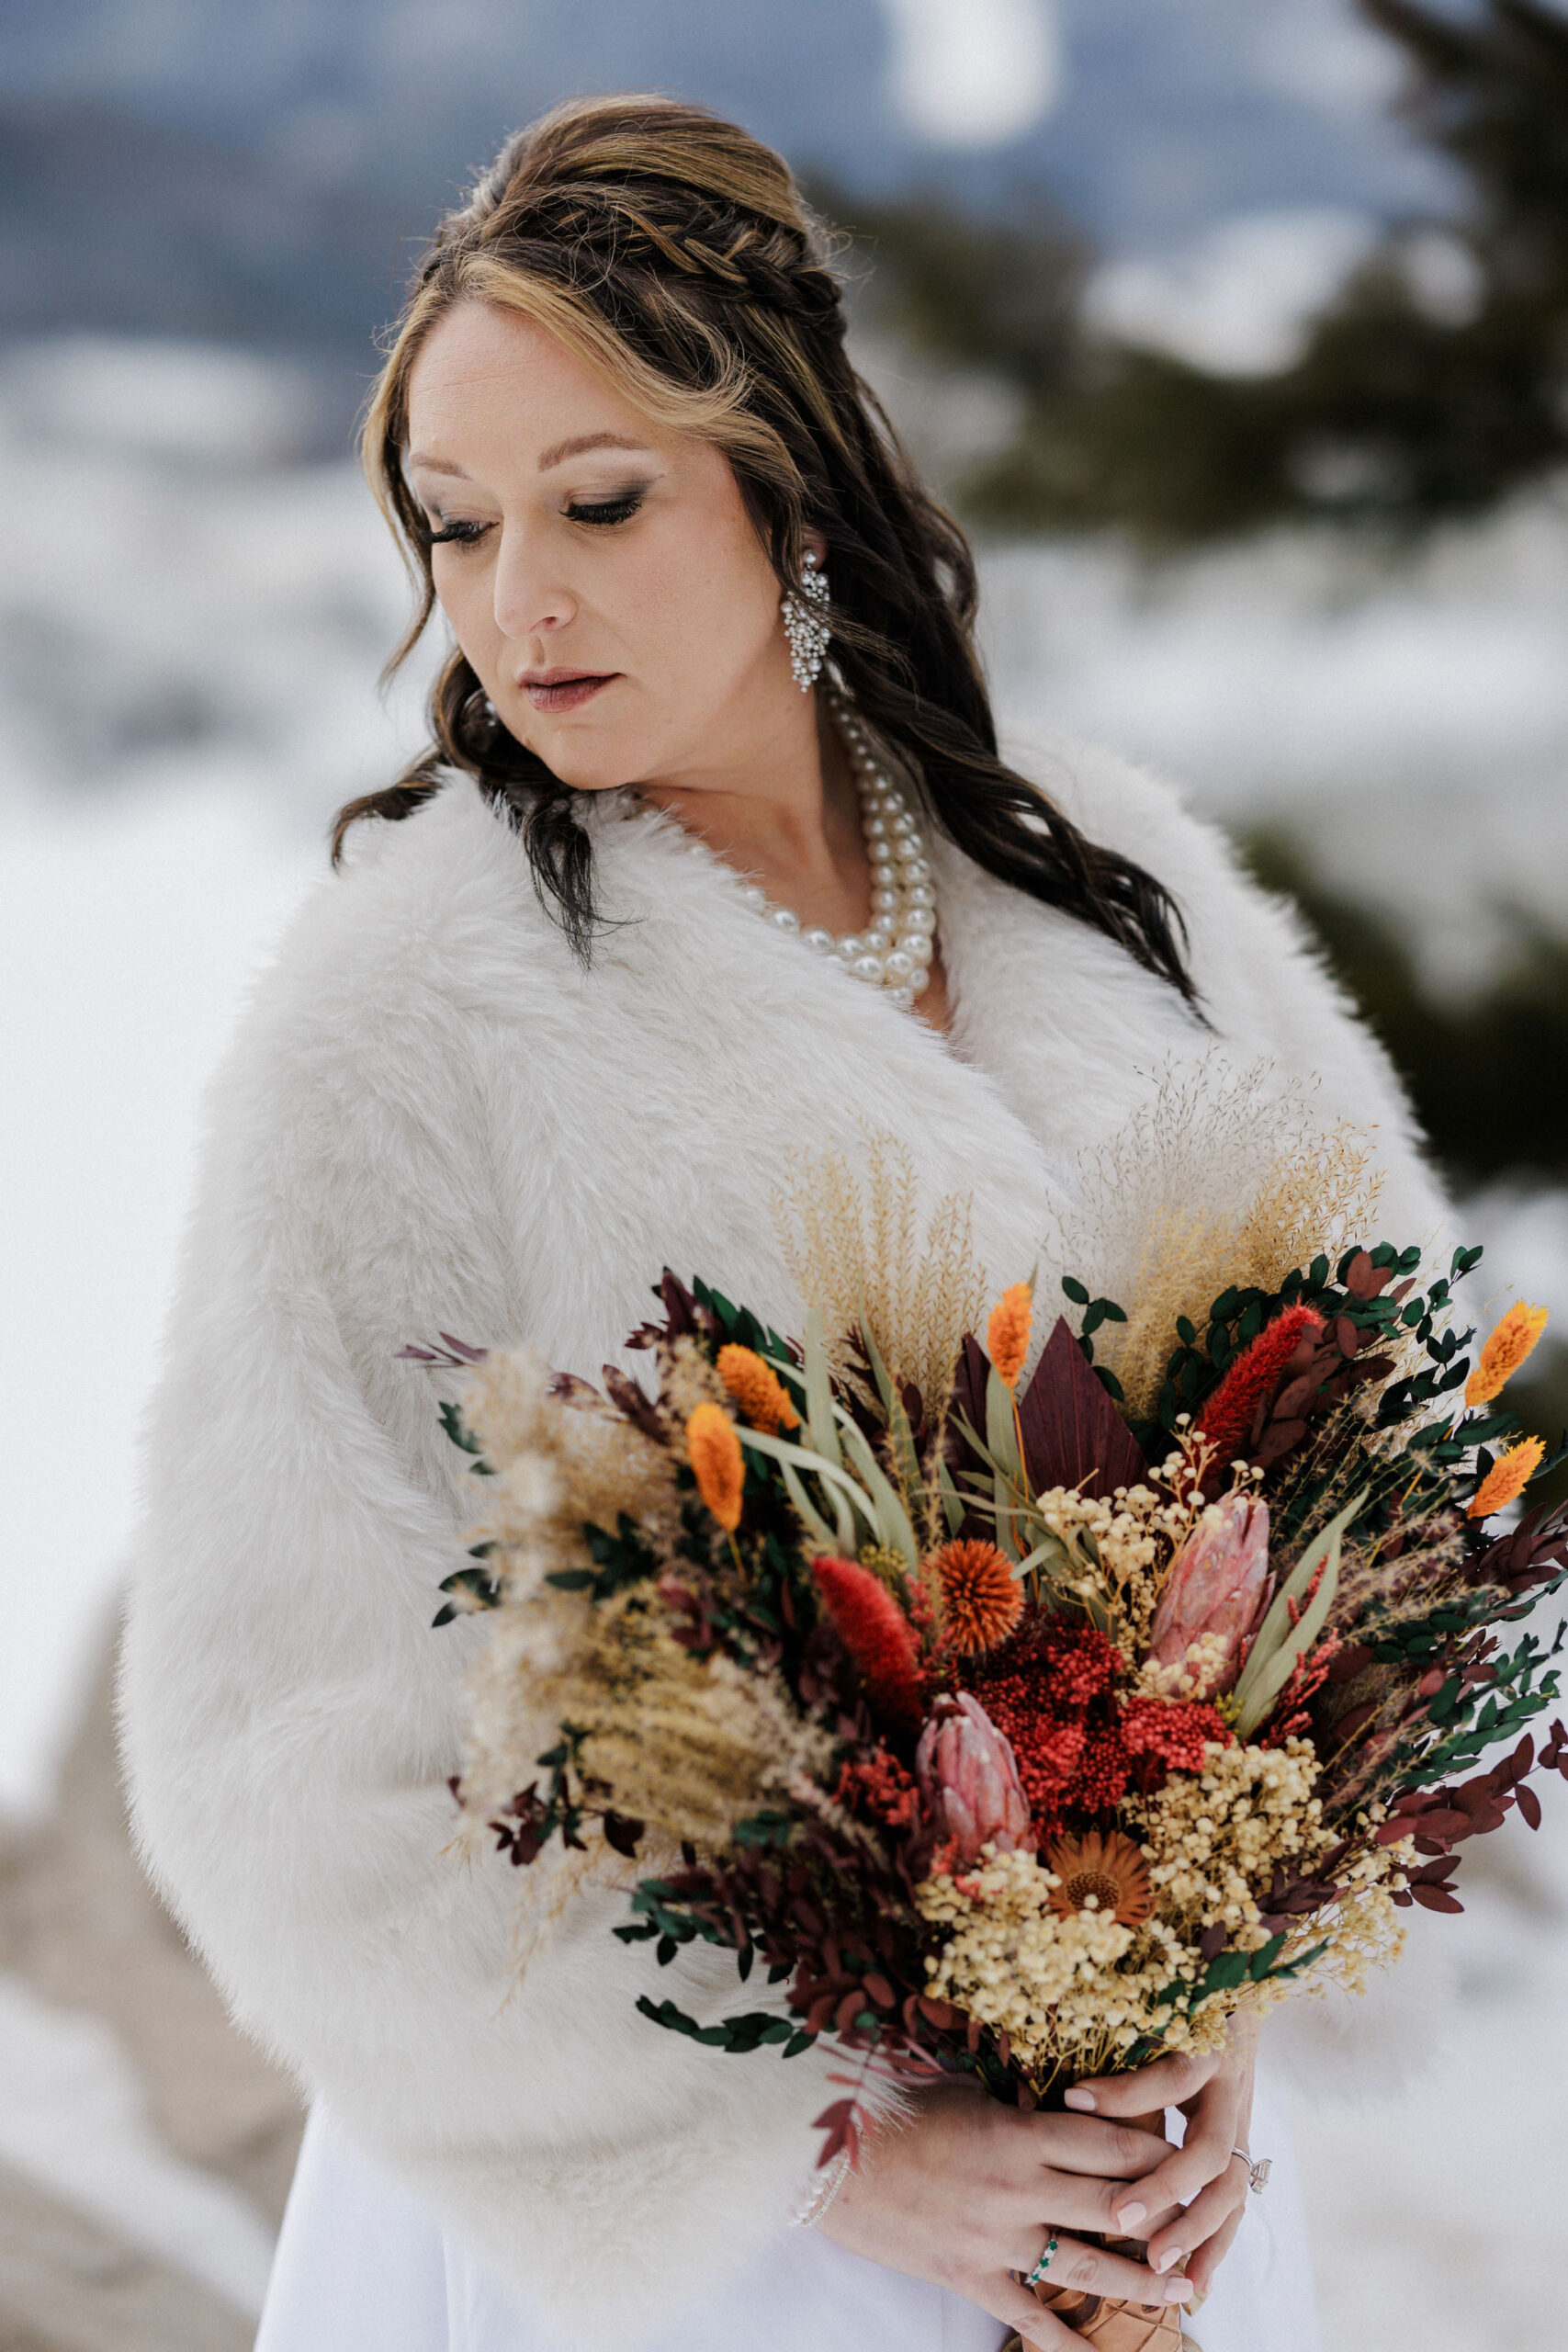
<point>602,511</point>
<point>460,535</point>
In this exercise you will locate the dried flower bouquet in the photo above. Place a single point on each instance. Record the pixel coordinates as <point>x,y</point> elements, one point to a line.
<point>1012,1729</point>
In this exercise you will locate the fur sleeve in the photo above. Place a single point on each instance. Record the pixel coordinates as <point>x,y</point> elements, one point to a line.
<point>290,1718</point>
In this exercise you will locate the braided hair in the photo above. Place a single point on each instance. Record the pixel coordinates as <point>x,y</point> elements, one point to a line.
<point>674,251</point>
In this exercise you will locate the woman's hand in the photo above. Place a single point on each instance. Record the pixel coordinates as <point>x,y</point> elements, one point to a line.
<point>1202,2177</point>
<point>966,2192</point>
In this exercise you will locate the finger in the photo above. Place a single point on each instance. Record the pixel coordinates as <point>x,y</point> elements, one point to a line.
<point>1208,2212</point>
<point>1211,2127</point>
<point>1067,2201</point>
<point>1016,2308</point>
<point>1084,2143</point>
<point>1206,2259</point>
<point>1095,2270</point>
<point>1167,2082</point>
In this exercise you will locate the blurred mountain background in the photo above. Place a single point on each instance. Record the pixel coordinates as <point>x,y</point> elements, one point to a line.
<point>1237,333</point>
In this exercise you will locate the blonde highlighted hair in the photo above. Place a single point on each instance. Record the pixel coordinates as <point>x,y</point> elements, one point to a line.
<point>673,253</point>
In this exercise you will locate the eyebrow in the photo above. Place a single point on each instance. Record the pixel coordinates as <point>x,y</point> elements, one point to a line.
<point>579,445</point>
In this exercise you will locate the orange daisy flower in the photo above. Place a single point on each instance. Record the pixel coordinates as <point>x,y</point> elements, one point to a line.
<point>757,1389</point>
<point>1507,1479</point>
<point>1109,1869</point>
<point>981,1600</point>
<point>1511,1343</point>
<point>714,1451</point>
<point>1007,1334</point>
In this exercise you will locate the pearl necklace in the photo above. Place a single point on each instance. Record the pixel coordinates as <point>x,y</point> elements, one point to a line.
<point>895,953</point>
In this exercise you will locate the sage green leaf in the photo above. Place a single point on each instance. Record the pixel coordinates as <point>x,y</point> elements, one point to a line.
<point>893,1528</point>
<point>820,1391</point>
<point>952,1500</point>
<point>1280,1644</point>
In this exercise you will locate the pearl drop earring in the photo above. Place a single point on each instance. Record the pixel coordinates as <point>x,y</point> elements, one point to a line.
<point>805,625</point>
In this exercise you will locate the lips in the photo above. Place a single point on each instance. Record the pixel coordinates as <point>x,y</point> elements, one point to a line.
<point>557,690</point>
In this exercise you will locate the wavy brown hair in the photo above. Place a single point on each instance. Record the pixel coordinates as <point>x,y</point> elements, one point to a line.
<point>674,251</point>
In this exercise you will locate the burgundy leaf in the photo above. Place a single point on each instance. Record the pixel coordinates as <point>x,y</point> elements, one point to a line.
<point>1073,1435</point>
<point>631,1400</point>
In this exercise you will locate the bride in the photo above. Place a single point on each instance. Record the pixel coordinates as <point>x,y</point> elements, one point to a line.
<point>713,856</point>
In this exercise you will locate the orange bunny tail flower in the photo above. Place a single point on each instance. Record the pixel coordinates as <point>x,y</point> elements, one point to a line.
<point>981,1600</point>
<point>1105,1874</point>
<point>714,1451</point>
<point>877,1635</point>
<point>1507,1479</point>
<point>1007,1334</point>
<point>757,1389</point>
<point>1511,1343</point>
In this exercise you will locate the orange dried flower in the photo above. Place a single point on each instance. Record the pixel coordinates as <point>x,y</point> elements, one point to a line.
<point>1511,1343</point>
<point>714,1451</point>
<point>1507,1479</point>
<point>757,1389</point>
<point>1109,1869</point>
<point>981,1600</point>
<point>1007,1334</point>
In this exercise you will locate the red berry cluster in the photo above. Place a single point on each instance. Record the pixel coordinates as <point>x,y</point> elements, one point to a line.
<point>879,1785</point>
<point>1081,1746</point>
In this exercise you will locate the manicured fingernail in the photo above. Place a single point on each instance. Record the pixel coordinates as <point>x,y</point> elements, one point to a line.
<point>1082,2100</point>
<point>1131,2215</point>
<point>1164,2261</point>
<point>1178,2289</point>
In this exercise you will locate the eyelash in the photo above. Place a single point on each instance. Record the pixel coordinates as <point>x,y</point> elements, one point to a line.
<point>606,511</point>
<point>601,514</point>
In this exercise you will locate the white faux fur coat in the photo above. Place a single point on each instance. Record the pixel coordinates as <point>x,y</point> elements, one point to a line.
<point>435,1119</point>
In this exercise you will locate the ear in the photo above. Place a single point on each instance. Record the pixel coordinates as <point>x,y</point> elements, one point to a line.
<point>815,545</point>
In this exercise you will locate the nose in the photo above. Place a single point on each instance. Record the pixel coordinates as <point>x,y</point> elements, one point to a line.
<point>531,598</point>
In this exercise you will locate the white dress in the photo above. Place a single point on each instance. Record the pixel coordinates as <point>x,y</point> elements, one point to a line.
<point>362,2268</point>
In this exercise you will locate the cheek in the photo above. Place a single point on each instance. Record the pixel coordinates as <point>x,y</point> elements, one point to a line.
<point>465,592</point>
<point>708,601</point>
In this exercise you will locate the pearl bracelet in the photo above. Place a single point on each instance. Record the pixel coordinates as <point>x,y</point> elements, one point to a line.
<point>824,2190</point>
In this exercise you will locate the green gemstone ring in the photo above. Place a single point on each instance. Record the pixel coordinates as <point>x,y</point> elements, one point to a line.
<point>1043,2263</point>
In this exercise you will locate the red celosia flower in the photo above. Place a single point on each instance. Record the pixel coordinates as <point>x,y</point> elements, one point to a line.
<point>1226,1418</point>
<point>1173,1731</point>
<point>879,1785</point>
<point>877,1635</point>
<point>1080,1746</point>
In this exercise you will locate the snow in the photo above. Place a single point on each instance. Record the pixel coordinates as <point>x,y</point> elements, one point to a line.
<point>195,627</point>
<point>1238,299</point>
<point>73,2118</point>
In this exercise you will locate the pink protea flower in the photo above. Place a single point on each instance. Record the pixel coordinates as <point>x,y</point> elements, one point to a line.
<point>1215,1591</point>
<point>969,1781</point>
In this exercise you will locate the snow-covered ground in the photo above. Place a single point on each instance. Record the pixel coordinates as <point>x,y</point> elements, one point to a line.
<point>193,625</point>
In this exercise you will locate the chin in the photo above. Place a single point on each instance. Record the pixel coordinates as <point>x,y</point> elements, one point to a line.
<point>589,759</point>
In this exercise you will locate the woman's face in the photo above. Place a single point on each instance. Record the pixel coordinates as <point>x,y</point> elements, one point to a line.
<point>599,573</point>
